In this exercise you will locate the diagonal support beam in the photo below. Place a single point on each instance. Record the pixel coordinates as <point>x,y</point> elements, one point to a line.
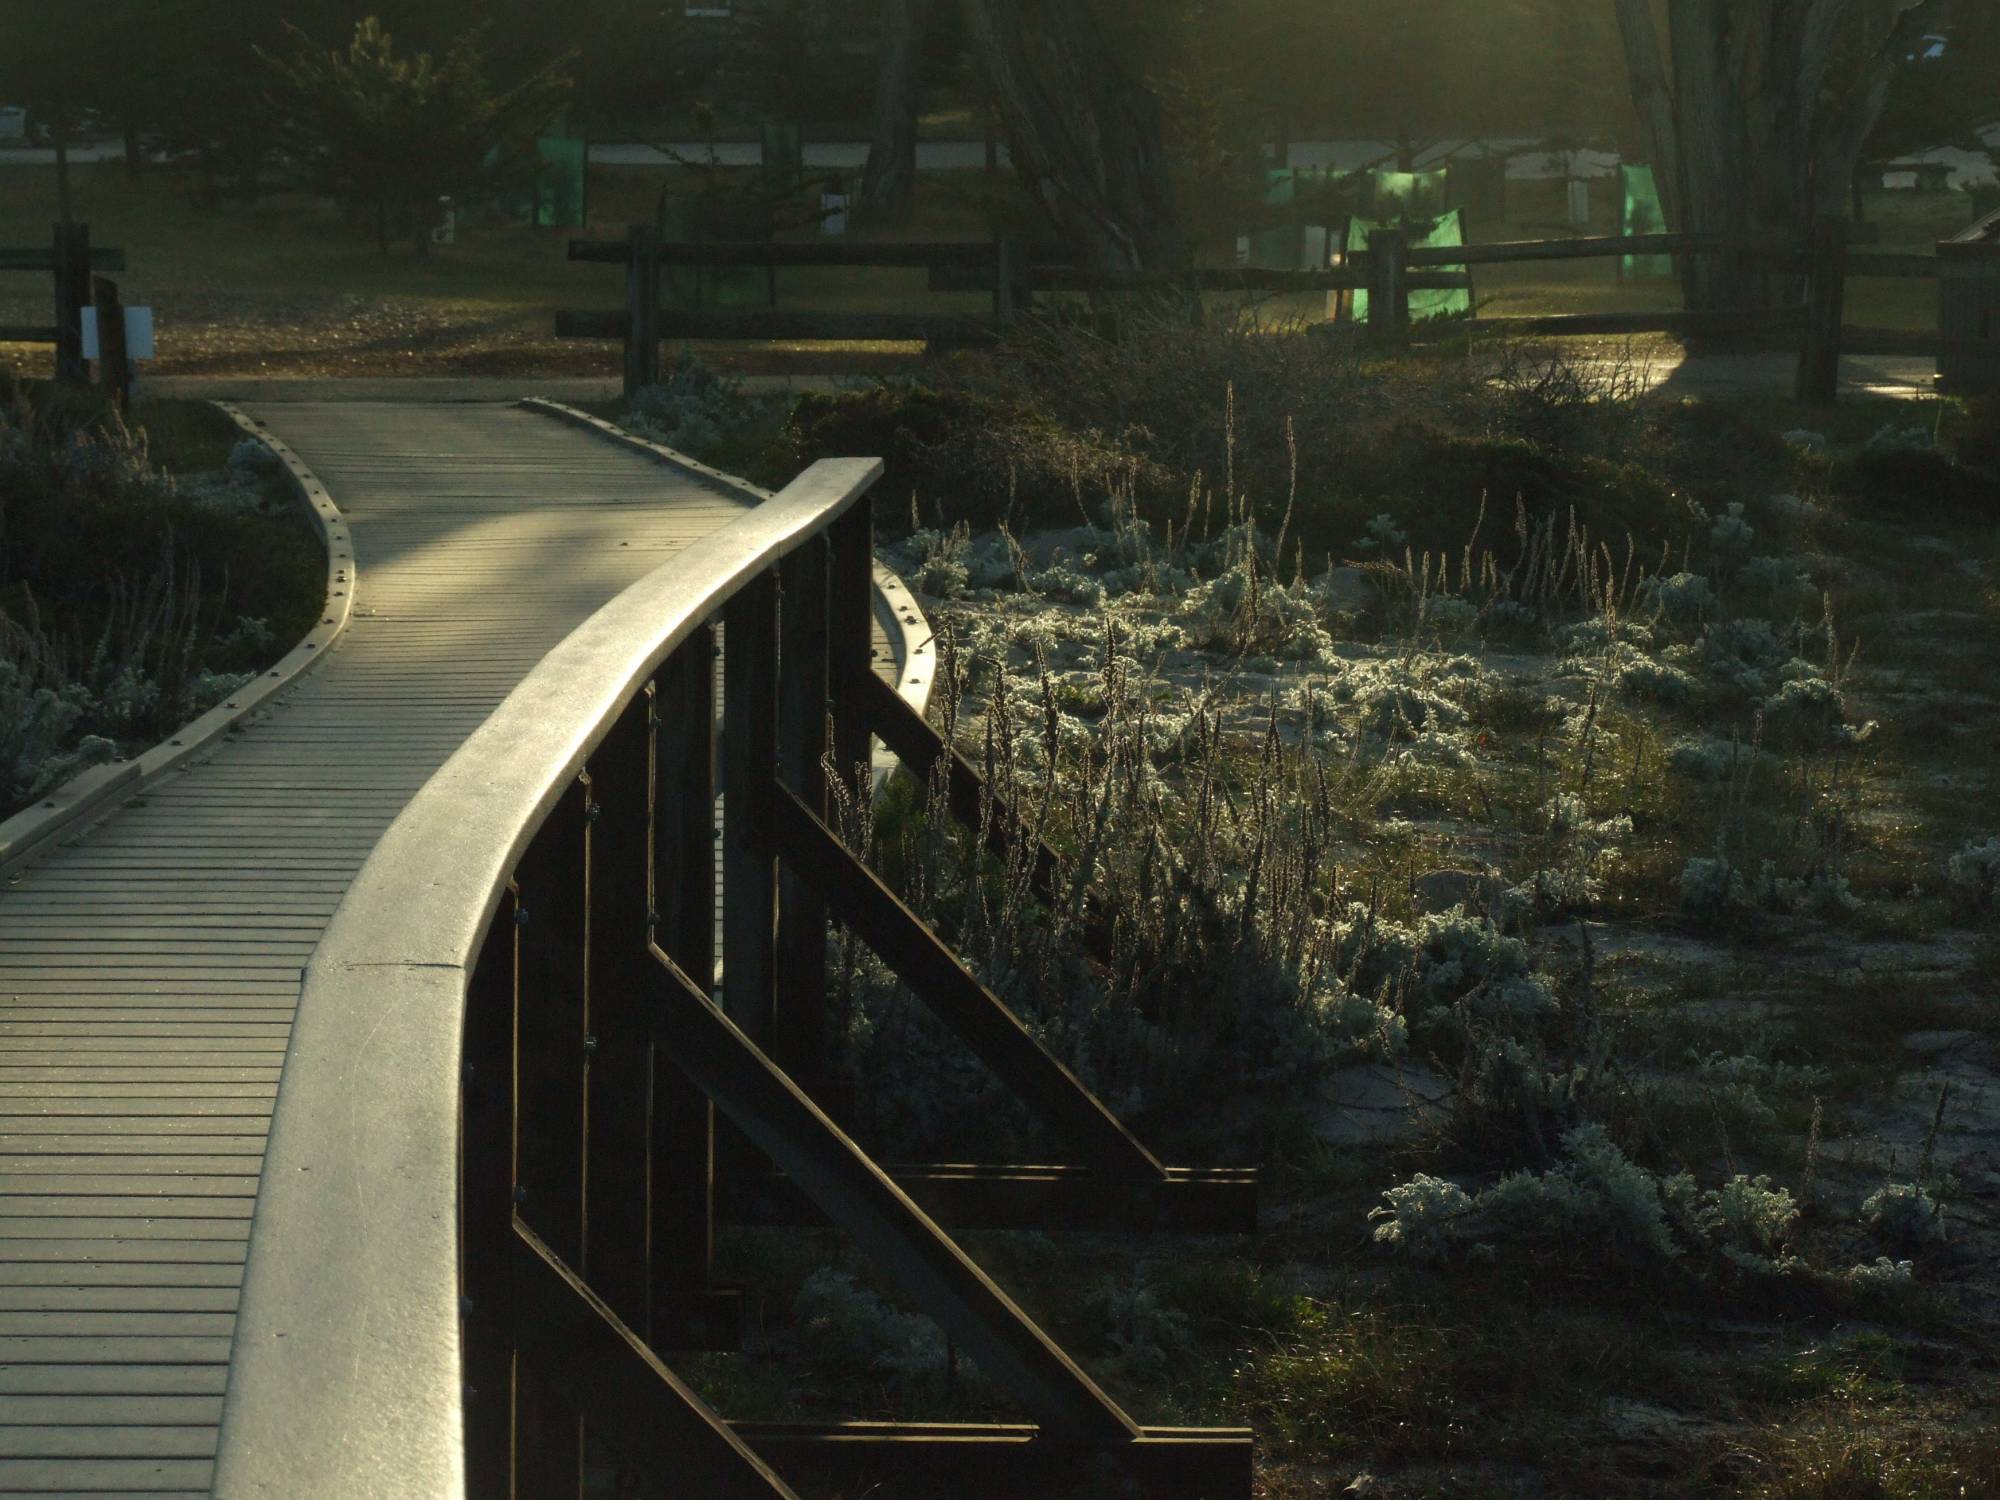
<point>921,960</point>
<point>636,1404</point>
<point>862,1200</point>
<point>921,748</point>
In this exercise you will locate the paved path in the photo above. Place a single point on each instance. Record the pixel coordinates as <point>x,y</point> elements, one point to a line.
<point>149,971</point>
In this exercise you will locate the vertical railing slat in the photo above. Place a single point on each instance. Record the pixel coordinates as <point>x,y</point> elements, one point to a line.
<point>802,715</point>
<point>552,1184</point>
<point>616,1128</point>
<point>749,765</point>
<point>681,886</point>
<point>486,1209</point>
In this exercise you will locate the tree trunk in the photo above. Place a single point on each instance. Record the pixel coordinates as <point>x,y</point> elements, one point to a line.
<point>890,178</point>
<point>1087,138</point>
<point>65,205</point>
<point>1764,120</point>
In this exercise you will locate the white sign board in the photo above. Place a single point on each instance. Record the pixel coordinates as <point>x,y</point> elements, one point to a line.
<point>833,213</point>
<point>138,334</point>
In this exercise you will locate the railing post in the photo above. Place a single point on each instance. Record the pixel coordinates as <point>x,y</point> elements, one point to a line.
<point>802,744</point>
<point>114,363</point>
<point>1818,382</point>
<point>72,256</point>
<point>1388,288</point>
<point>1006,280</point>
<point>682,902</point>
<point>486,1208</point>
<point>617,1098</point>
<point>642,308</point>
<point>551,1070</point>
<point>851,634</point>
<point>749,770</point>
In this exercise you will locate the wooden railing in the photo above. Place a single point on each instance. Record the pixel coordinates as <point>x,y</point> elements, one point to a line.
<point>488,1205</point>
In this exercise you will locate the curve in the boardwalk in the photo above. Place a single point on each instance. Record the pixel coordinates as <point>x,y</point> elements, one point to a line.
<point>149,970</point>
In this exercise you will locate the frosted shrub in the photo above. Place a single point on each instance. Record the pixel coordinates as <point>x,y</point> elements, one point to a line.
<point>1880,1277</point>
<point>1147,1340</point>
<point>1822,893</point>
<point>1806,712</point>
<point>1806,441</point>
<point>35,723</point>
<point>1597,634</point>
<point>849,1328</point>
<point>1447,614</point>
<point>1746,1220</point>
<point>1398,711</point>
<point>1653,681</point>
<point>691,409</point>
<point>1891,440</point>
<point>251,461</point>
<point>1596,1200</point>
<point>1467,958</point>
<point>1710,889</point>
<point>1383,535</point>
<point>1740,656</point>
<point>1731,536</point>
<point>934,562</point>
<point>1422,1217</point>
<point>1783,584</point>
<point>1065,582</point>
<point>1905,1216</point>
<point>1973,874</point>
<point>1598,1196</point>
<point>1683,596</point>
<point>1245,611</point>
<point>1709,758</point>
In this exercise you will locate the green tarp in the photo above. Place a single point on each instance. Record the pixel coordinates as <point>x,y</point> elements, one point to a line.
<point>1448,231</point>
<point>562,182</point>
<point>784,158</point>
<point>1641,213</point>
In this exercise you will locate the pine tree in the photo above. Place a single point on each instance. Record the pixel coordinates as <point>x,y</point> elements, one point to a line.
<point>391,133</point>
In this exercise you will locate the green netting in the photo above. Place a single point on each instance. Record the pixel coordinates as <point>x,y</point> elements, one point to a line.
<point>1447,231</point>
<point>562,182</point>
<point>784,157</point>
<point>1640,212</point>
<point>683,219</point>
<point>1410,195</point>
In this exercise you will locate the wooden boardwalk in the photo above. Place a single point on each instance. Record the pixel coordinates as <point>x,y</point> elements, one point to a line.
<point>149,971</point>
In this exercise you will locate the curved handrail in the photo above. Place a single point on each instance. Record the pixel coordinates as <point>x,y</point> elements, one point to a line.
<point>346,1374</point>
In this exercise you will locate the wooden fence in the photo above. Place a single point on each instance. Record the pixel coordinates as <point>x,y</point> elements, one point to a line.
<point>1388,271</point>
<point>72,261</point>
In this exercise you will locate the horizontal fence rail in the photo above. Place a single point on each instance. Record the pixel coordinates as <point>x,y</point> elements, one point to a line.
<point>495,1171</point>
<point>1389,271</point>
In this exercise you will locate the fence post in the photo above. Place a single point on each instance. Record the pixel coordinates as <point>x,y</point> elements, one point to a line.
<point>1818,382</point>
<point>1006,277</point>
<point>1388,288</point>
<point>72,255</point>
<point>114,362</point>
<point>642,307</point>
